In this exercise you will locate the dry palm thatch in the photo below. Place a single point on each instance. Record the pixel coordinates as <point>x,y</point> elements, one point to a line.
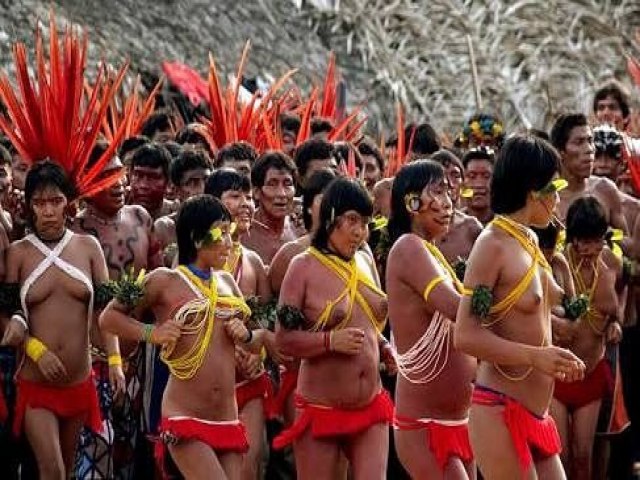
<point>534,58</point>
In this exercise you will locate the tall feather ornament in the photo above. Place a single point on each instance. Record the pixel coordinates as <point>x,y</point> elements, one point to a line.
<point>47,117</point>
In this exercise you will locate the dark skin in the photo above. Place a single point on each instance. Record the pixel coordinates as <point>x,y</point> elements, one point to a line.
<point>58,317</point>
<point>148,186</point>
<point>459,240</point>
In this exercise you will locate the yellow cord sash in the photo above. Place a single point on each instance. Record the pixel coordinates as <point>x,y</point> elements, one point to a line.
<point>444,263</point>
<point>592,315</point>
<point>202,311</point>
<point>352,276</point>
<point>500,309</point>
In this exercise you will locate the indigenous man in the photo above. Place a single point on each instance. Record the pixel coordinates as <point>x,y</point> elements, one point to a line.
<point>478,168</point>
<point>239,156</point>
<point>573,138</point>
<point>273,181</point>
<point>125,233</point>
<point>313,155</point>
<point>372,163</point>
<point>149,178</point>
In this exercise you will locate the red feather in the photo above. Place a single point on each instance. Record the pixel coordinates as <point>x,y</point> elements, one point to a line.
<point>47,118</point>
<point>633,67</point>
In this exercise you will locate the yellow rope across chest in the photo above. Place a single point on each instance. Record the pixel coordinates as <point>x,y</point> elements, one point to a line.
<point>592,315</point>
<point>200,314</point>
<point>352,276</point>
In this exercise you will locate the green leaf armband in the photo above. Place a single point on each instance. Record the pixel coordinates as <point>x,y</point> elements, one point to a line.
<point>263,315</point>
<point>102,294</point>
<point>481,301</point>
<point>129,290</point>
<point>575,307</point>
<point>291,318</point>
<point>10,298</point>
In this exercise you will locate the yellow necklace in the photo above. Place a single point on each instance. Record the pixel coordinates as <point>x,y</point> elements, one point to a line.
<point>576,271</point>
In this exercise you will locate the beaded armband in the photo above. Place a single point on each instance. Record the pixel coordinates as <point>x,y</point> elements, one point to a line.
<point>10,298</point>
<point>481,301</point>
<point>575,307</point>
<point>291,318</point>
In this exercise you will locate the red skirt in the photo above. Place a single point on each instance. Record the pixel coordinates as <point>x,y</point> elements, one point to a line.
<point>259,387</point>
<point>595,386</point>
<point>446,439</point>
<point>288,383</point>
<point>328,422</point>
<point>528,431</point>
<point>80,400</point>
<point>220,436</point>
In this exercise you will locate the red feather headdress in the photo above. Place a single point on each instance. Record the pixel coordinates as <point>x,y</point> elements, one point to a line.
<point>47,115</point>
<point>398,155</point>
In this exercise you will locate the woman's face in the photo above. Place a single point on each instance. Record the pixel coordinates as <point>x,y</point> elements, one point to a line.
<point>588,249</point>
<point>436,209</point>
<point>349,232</point>
<point>48,207</point>
<point>241,207</point>
<point>544,206</point>
<point>215,249</point>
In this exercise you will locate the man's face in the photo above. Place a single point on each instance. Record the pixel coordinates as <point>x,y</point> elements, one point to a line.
<point>579,153</point>
<point>607,166</point>
<point>318,165</point>
<point>288,141</point>
<point>148,186</point>
<point>478,178</point>
<point>372,171</point>
<point>608,111</point>
<point>193,183</point>
<point>111,200</point>
<point>243,167</point>
<point>276,195</point>
<point>454,176</point>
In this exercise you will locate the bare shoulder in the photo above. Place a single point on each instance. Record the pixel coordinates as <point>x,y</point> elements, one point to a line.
<point>611,260</point>
<point>253,258</point>
<point>405,247</point>
<point>164,222</point>
<point>139,213</point>
<point>160,278</point>
<point>472,224</point>
<point>605,186</point>
<point>560,263</point>
<point>89,242</point>
<point>489,245</point>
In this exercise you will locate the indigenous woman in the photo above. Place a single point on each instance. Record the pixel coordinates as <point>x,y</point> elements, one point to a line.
<point>504,321</point>
<point>311,198</point>
<point>330,313</point>
<point>596,273</point>
<point>253,385</point>
<point>433,392</point>
<point>199,312</point>
<point>55,270</point>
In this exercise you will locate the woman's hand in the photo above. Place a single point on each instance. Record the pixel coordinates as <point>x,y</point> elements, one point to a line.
<point>614,333</point>
<point>272,349</point>
<point>117,380</point>
<point>237,330</point>
<point>165,333</point>
<point>52,368</point>
<point>347,340</point>
<point>560,363</point>
<point>14,334</point>
<point>387,359</point>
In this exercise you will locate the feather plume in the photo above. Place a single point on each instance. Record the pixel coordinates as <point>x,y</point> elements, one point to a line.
<point>46,115</point>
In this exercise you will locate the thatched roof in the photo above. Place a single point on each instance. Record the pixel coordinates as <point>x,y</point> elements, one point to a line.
<point>535,58</point>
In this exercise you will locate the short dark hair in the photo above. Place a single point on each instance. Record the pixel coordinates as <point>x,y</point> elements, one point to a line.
<point>174,148</point>
<point>316,185</point>
<point>312,149</point>
<point>195,217</point>
<point>586,219</point>
<point>320,125</point>
<point>290,122</point>
<point>5,156</point>
<point>42,175</point>
<point>525,163</point>
<point>561,130</point>
<point>548,236</point>
<point>368,147</point>
<point>226,179</point>
<point>271,159</point>
<point>158,121</point>
<point>425,139</point>
<point>188,160</point>
<point>446,158</point>
<point>152,155</point>
<point>237,151</point>
<point>613,88</point>
<point>412,178</point>
<point>536,132</point>
<point>339,197</point>
<point>479,153</point>
<point>98,150</point>
<point>6,143</point>
<point>191,135</point>
<point>131,144</point>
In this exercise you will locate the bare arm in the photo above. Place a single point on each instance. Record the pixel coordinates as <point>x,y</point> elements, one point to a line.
<point>297,343</point>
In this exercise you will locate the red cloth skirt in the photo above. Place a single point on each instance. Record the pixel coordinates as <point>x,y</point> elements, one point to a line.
<point>446,439</point>
<point>259,387</point>
<point>288,383</point>
<point>529,432</point>
<point>594,386</point>
<point>230,436</point>
<point>80,400</point>
<point>328,422</point>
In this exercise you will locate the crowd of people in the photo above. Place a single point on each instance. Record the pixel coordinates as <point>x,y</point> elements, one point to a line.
<point>173,307</point>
